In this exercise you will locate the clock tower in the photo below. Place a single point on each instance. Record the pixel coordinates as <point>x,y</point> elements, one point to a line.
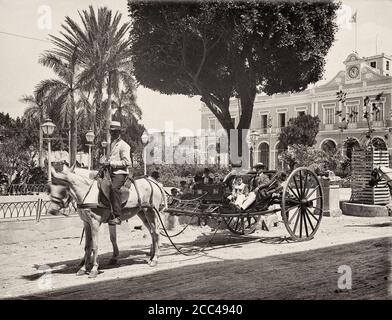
<point>353,68</point>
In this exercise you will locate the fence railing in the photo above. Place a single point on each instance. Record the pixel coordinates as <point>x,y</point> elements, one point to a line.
<point>21,189</point>
<point>37,209</point>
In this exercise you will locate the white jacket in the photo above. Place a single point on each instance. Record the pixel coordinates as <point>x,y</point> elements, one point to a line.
<point>120,156</point>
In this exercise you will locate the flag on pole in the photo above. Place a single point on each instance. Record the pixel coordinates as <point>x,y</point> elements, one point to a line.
<point>353,18</point>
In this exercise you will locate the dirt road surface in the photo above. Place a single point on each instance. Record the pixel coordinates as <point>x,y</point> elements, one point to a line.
<point>260,266</point>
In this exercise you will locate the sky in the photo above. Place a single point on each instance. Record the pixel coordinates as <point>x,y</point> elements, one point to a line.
<point>20,70</point>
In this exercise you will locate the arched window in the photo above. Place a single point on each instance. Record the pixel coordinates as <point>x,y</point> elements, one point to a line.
<point>279,165</point>
<point>264,154</point>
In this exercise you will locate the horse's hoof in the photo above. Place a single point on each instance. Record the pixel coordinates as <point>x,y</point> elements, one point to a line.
<point>81,272</point>
<point>112,262</point>
<point>153,263</point>
<point>93,274</point>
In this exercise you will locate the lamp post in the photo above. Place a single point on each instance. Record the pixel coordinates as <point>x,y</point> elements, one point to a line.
<point>145,139</point>
<point>104,144</point>
<point>253,136</point>
<point>269,164</point>
<point>47,129</point>
<point>90,138</point>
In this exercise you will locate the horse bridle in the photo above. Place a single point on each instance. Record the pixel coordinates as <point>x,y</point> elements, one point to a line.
<point>61,202</point>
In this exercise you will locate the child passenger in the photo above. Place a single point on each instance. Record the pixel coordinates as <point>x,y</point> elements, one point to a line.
<point>239,193</point>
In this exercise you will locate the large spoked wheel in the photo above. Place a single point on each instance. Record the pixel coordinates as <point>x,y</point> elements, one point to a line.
<point>242,224</point>
<point>302,204</point>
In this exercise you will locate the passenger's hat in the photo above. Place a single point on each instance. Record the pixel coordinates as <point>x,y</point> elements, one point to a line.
<point>115,125</point>
<point>259,165</point>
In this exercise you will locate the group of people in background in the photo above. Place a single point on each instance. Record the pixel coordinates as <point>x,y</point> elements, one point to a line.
<point>260,187</point>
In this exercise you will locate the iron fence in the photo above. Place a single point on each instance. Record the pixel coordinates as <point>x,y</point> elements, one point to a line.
<point>23,189</point>
<point>37,209</point>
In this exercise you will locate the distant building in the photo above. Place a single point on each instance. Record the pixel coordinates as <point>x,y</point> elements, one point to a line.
<point>361,77</point>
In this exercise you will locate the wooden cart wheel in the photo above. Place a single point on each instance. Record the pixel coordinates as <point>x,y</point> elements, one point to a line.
<point>302,204</point>
<point>242,224</point>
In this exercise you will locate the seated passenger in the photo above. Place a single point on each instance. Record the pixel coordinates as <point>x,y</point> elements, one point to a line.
<point>174,192</point>
<point>260,178</point>
<point>207,176</point>
<point>265,191</point>
<point>184,187</point>
<point>239,193</point>
<point>198,183</point>
<point>217,178</point>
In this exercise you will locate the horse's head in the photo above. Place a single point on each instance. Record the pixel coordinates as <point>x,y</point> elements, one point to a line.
<point>375,177</point>
<point>60,193</point>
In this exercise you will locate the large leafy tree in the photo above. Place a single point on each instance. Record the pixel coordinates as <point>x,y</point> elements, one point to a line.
<point>301,130</point>
<point>218,50</point>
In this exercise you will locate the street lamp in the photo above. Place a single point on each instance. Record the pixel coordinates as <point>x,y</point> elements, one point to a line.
<point>48,128</point>
<point>104,144</point>
<point>90,138</point>
<point>145,139</point>
<point>253,136</point>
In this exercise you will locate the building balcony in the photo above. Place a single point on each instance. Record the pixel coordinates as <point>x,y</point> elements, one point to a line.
<point>263,131</point>
<point>329,127</point>
<point>378,124</point>
<point>355,125</point>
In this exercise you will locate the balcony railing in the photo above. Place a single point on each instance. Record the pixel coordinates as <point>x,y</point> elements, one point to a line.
<point>378,124</point>
<point>354,125</point>
<point>263,130</point>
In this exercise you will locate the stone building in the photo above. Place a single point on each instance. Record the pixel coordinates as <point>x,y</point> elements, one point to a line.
<point>361,77</point>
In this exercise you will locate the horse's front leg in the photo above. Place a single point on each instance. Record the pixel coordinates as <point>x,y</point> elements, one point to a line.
<point>87,251</point>
<point>113,239</point>
<point>94,237</point>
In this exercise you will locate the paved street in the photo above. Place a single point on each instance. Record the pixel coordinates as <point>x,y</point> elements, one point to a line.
<point>261,266</point>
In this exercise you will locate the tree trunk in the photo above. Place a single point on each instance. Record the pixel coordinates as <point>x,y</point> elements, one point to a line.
<point>109,113</point>
<point>74,133</point>
<point>96,106</point>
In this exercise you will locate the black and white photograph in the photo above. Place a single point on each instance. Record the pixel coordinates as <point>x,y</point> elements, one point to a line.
<point>223,151</point>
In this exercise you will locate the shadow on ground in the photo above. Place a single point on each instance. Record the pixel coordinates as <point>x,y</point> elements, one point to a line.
<point>377,225</point>
<point>312,274</point>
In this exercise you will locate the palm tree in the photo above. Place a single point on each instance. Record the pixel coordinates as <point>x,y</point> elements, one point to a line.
<point>61,91</point>
<point>36,111</point>
<point>103,53</point>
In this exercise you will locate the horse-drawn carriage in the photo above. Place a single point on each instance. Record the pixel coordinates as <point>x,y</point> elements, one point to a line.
<point>300,203</point>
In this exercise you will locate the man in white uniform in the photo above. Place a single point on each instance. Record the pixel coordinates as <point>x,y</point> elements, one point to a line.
<point>119,161</point>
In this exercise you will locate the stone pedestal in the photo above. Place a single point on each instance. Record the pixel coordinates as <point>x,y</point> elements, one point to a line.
<point>331,205</point>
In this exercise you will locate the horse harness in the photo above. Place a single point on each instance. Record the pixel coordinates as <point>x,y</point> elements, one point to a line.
<point>132,181</point>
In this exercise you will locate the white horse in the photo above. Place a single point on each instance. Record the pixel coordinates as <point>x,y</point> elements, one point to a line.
<point>145,202</point>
